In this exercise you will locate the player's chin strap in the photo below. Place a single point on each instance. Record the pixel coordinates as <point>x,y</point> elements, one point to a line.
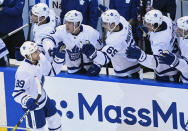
<point>111,29</point>
<point>75,28</point>
<point>184,35</point>
<point>31,60</point>
<point>154,30</point>
<point>39,22</point>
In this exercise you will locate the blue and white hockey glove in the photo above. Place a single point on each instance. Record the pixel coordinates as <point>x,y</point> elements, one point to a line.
<point>94,70</point>
<point>134,52</point>
<point>58,53</point>
<point>89,50</point>
<point>168,58</point>
<point>31,104</point>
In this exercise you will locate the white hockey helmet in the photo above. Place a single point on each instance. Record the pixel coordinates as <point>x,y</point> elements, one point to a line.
<point>182,23</point>
<point>154,17</point>
<point>1,2</point>
<point>111,16</point>
<point>73,16</point>
<point>40,9</point>
<point>28,48</point>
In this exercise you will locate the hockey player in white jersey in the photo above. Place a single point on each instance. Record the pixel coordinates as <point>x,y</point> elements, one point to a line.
<point>74,34</point>
<point>26,88</point>
<point>119,37</point>
<point>180,61</point>
<point>162,38</point>
<point>45,22</point>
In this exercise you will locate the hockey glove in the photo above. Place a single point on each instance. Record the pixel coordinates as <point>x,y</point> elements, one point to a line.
<point>168,58</point>
<point>18,55</point>
<point>94,70</point>
<point>103,8</point>
<point>89,50</point>
<point>134,52</point>
<point>59,53</point>
<point>31,104</point>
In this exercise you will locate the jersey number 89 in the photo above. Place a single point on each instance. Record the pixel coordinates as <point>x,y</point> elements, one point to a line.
<point>20,83</point>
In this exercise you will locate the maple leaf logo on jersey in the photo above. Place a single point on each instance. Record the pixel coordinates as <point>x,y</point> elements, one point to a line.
<point>74,54</point>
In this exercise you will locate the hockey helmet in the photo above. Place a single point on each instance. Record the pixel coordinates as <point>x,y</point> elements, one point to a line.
<point>40,9</point>
<point>111,16</point>
<point>28,48</point>
<point>154,17</point>
<point>182,23</point>
<point>74,16</point>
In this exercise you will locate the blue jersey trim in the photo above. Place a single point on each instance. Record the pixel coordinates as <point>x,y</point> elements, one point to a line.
<point>18,94</point>
<point>184,77</point>
<point>89,63</point>
<point>3,49</point>
<point>166,71</point>
<point>74,68</point>
<point>128,69</point>
<point>22,90</point>
<point>54,128</point>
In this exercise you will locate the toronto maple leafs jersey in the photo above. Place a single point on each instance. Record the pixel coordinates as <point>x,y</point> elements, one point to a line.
<point>25,83</point>
<point>161,41</point>
<point>75,60</point>
<point>41,31</point>
<point>114,51</point>
<point>183,59</point>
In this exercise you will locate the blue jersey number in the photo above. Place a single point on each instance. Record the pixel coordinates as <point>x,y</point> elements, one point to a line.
<point>20,83</point>
<point>111,51</point>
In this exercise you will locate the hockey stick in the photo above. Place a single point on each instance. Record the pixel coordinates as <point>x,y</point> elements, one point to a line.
<point>27,112</point>
<point>15,31</point>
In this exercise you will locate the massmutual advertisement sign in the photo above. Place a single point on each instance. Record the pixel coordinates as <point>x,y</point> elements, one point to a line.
<point>89,105</point>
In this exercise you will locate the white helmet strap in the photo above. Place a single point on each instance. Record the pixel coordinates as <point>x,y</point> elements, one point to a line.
<point>39,22</point>
<point>28,57</point>
<point>155,29</point>
<point>76,26</point>
<point>184,35</point>
<point>109,27</point>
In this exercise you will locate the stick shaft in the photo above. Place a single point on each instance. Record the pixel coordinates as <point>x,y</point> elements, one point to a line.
<point>15,31</point>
